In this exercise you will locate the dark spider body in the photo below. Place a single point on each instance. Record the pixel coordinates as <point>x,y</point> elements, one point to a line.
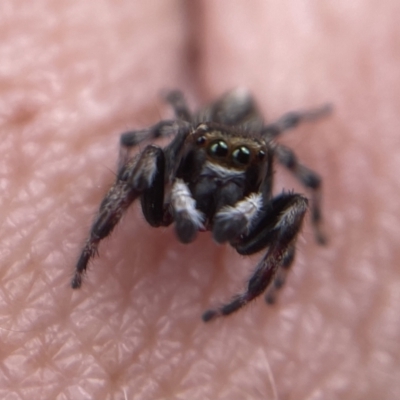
<point>216,174</point>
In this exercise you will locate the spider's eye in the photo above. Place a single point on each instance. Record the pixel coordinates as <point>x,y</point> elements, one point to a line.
<point>241,155</point>
<point>201,140</point>
<point>219,149</point>
<point>261,155</point>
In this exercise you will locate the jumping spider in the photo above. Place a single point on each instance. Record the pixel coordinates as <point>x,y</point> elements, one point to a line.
<point>216,174</point>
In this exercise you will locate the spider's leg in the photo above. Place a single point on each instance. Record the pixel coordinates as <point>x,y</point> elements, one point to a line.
<point>188,220</point>
<point>130,139</point>
<point>137,176</point>
<point>281,274</point>
<point>293,119</point>
<point>309,179</point>
<point>152,198</point>
<point>177,101</point>
<point>277,230</point>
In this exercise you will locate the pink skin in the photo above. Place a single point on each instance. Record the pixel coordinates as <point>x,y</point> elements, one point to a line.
<point>73,75</point>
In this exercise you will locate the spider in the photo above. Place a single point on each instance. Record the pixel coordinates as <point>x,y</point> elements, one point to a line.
<point>216,174</point>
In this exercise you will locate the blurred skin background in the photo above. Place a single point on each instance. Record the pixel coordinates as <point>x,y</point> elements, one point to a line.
<point>73,76</point>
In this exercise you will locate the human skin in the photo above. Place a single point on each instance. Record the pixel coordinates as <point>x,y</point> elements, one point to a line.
<point>73,76</point>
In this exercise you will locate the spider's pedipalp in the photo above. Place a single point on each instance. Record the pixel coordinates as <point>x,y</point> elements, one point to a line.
<point>188,220</point>
<point>232,221</point>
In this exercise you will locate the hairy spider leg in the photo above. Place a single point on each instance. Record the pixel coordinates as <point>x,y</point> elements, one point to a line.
<point>155,211</point>
<point>137,176</point>
<point>293,119</point>
<point>130,139</point>
<point>176,100</point>
<point>288,159</point>
<point>277,230</point>
<point>164,128</point>
<point>141,175</point>
<point>310,180</point>
<point>187,218</point>
<point>281,274</point>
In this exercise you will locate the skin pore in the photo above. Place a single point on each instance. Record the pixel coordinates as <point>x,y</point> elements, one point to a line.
<point>72,78</point>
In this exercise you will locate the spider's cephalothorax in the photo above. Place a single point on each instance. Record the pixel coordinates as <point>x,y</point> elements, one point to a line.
<point>216,174</point>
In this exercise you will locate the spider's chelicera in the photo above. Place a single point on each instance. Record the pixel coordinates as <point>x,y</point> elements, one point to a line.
<point>216,174</point>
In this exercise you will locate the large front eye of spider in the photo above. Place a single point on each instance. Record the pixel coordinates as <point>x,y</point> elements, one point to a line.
<point>218,149</point>
<point>241,155</point>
